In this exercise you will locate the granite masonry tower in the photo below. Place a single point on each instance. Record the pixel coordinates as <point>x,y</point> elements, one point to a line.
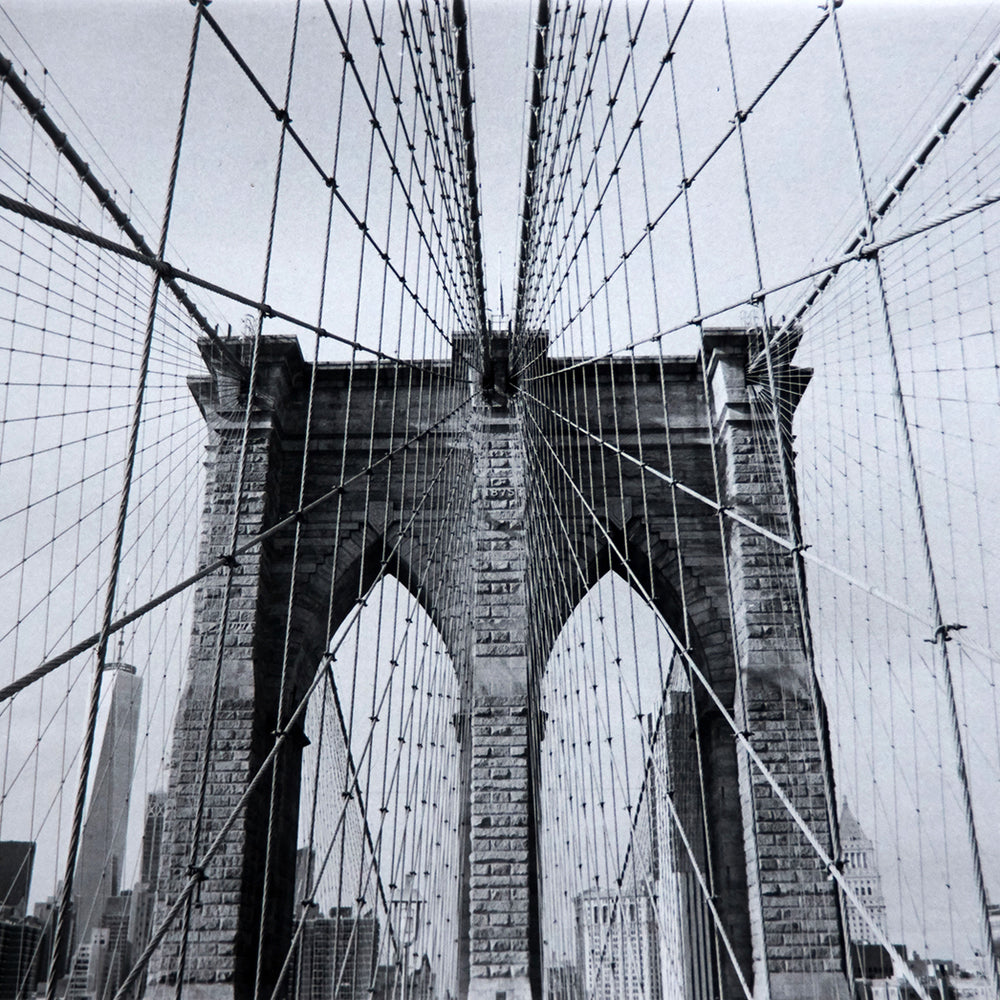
<point>773,896</point>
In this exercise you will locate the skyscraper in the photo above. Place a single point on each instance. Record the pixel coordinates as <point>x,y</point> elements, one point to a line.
<point>862,875</point>
<point>617,956</point>
<point>685,924</point>
<point>102,847</point>
<point>337,956</point>
<point>144,894</point>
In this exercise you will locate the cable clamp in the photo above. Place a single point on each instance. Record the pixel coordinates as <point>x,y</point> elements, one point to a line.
<point>741,116</point>
<point>686,182</point>
<point>756,298</point>
<point>800,548</point>
<point>230,560</point>
<point>941,633</point>
<point>300,516</point>
<point>197,872</point>
<point>164,270</point>
<point>281,114</point>
<point>745,733</point>
<point>867,251</point>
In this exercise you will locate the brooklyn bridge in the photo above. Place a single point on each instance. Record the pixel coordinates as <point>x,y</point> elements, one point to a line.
<point>496,501</point>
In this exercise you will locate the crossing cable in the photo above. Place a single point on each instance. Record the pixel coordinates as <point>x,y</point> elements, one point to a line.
<point>829,863</point>
<point>472,178</point>
<point>195,879</point>
<point>539,232</point>
<point>397,101</point>
<point>941,629</point>
<point>353,766</point>
<point>614,172</point>
<point>538,235</point>
<point>531,167</point>
<point>65,900</point>
<point>780,432</point>
<point>445,171</point>
<point>60,140</point>
<point>877,209</point>
<point>540,228</point>
<point>862,253</point>
<point>281,114</point>
<point>451,128</point>
<point>703,885</point>
<point>686,183</point>
<point>53,662</point>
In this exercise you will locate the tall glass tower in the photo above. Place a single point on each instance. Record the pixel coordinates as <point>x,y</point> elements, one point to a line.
<point>102,848</point>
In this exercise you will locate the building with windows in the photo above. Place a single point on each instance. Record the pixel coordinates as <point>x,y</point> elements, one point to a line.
<point>862,876</point>
<point>617,952</point>
<point>337,956</point>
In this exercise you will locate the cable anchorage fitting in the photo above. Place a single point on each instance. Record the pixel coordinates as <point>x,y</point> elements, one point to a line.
<point>197,872</point>
<point>941,633</point>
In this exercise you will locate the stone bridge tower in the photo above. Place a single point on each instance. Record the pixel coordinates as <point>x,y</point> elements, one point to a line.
<point>780,911</point>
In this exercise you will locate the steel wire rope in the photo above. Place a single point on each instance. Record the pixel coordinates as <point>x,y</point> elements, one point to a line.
<point>37,111</point>
<point>615,93</point>
<point>689,180</point>
<point>423,97</point>
<point>862,253</point>
<point>536,232</point>
<point>755,759</point>
<point>309,416</point>
<point>733,514</point>
<point>539,230</point>
<point>258,305</point>
<point>61,928</point>
<point>195,879</point>
<point>973,86</point>
<point>994,960</point>
<point>31,461</point>
<point>777,440</point>
<point>681,574</point>
<point>395,93</point>
<point>288,129</point>
<point>355,792</point>
<point>51,663</point>
<point>533,245</point>
<point>703,884</point>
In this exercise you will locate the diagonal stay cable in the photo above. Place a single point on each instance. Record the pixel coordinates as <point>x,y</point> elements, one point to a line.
<point>198,870</point>
<point>165,268</point>
<point>396,99</point>
<point>613,172</point>
<point>708,896</point>
<point>759,529</point>
<point>968,91</point>
<point>50,664</point>
<point>741,737</point>
<point>59,139</point>
<point>688,181</point>
<point>862,253</point>
<point>64,906</point>
<point>281,115</point>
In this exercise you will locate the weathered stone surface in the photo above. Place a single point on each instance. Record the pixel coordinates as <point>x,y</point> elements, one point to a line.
<point>504,552</point>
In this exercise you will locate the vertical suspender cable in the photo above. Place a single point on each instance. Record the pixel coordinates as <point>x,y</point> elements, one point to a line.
<point>65,899</point>
<point>941,636</point>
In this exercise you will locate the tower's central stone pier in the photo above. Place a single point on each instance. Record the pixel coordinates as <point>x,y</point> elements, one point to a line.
<point>482,472</point>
